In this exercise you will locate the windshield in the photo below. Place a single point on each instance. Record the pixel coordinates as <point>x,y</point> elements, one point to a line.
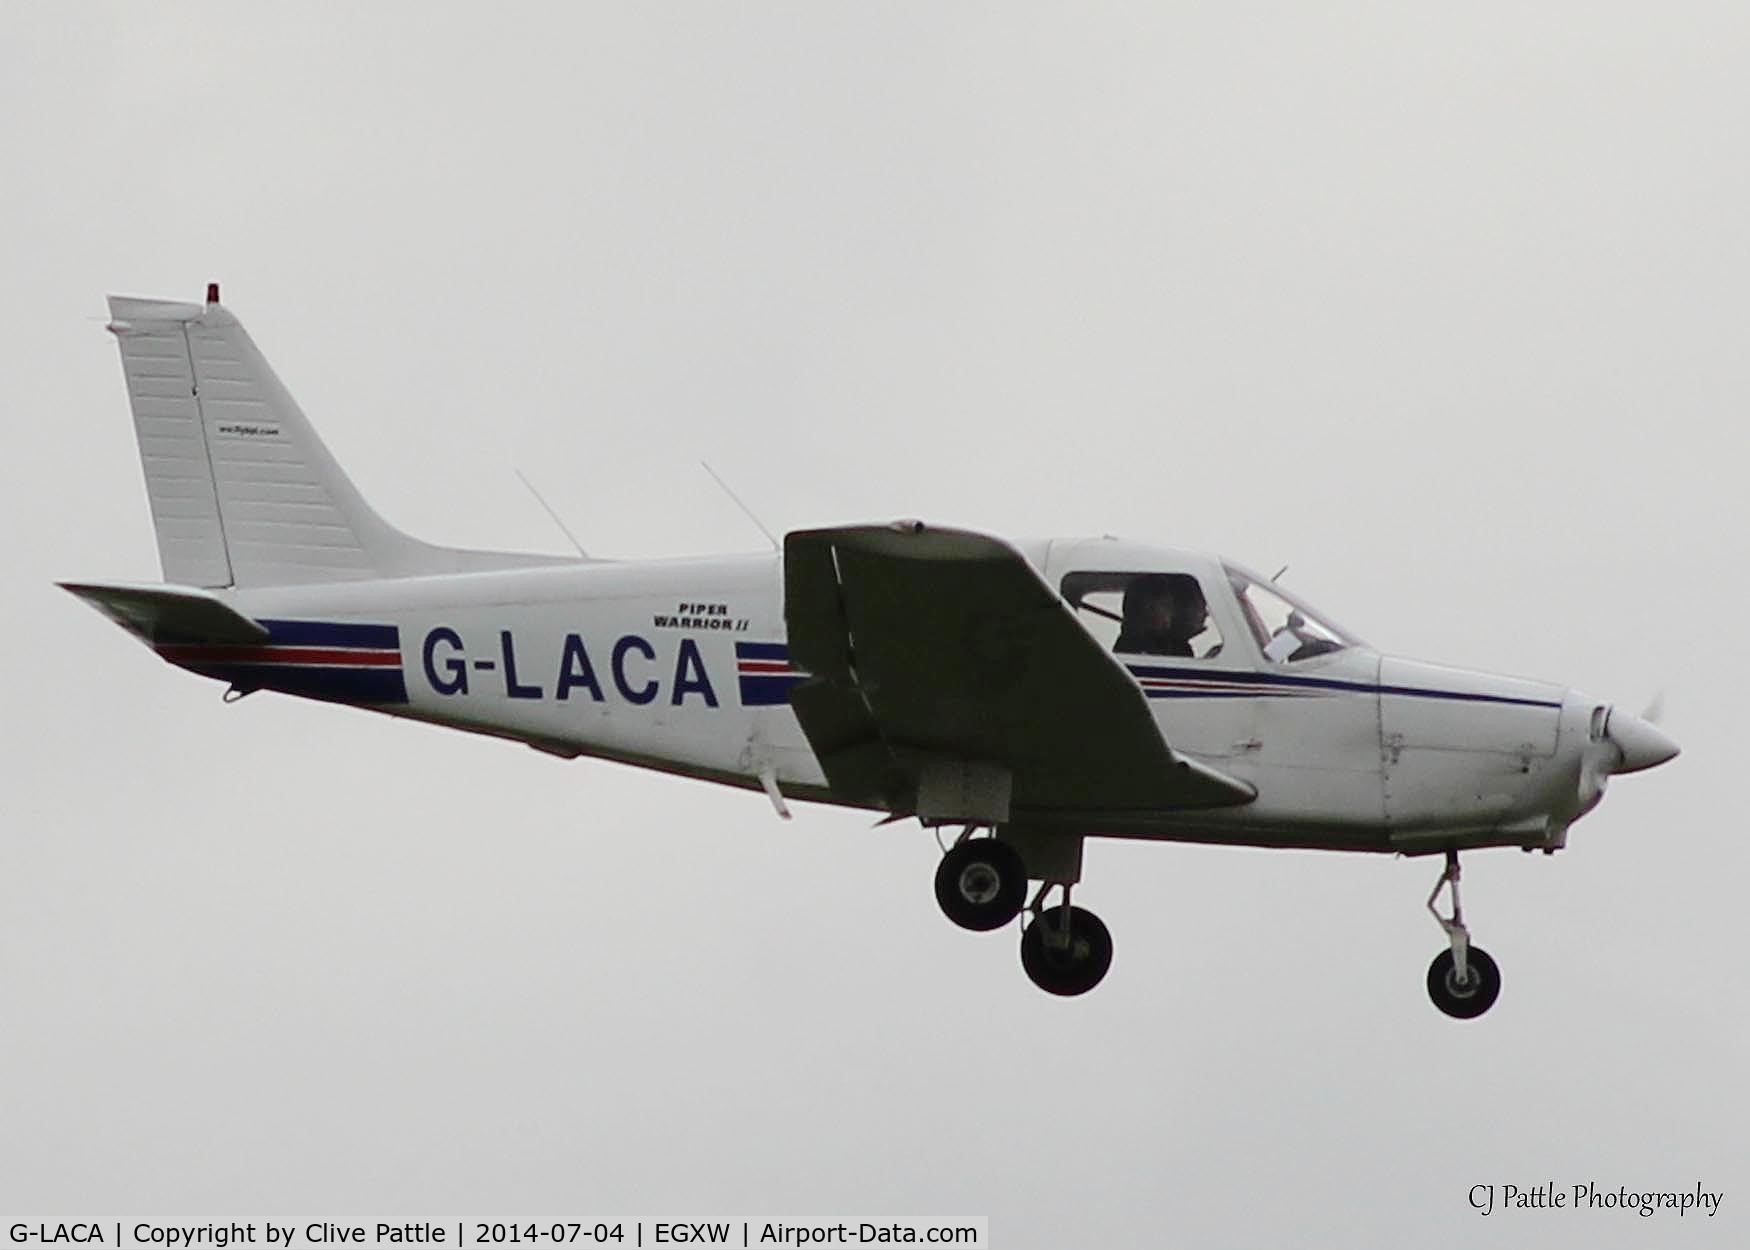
<point>1287,630</point>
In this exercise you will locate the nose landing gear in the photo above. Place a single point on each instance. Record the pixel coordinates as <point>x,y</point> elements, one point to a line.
<point>1463,981</point>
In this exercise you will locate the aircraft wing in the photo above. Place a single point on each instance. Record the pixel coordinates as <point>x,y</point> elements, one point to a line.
<point>947,678</point>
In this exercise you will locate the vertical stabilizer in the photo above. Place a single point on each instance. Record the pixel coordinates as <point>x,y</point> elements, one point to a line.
<point>243,492</point>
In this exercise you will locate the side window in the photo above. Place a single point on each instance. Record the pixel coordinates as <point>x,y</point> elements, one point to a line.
<point>1144,613</point>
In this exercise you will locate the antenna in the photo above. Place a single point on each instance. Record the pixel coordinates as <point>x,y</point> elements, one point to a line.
<point>736,499</point>
<point>1277,575</point>
<point>564,528</point>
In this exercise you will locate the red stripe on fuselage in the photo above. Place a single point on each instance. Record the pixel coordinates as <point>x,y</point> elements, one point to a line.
<point>328,657</point>
<point>763,666</point>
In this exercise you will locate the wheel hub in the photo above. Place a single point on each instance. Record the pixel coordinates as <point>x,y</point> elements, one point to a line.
<point>1066,952</point>
<point>979,883</point>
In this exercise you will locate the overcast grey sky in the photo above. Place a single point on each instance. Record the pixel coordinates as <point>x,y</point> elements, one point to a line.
<point>1442,305</point>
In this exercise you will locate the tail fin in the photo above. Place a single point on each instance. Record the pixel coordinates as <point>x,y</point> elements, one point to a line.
<point>243,492</point>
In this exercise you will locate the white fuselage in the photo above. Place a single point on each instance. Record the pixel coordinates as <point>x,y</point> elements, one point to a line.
<point>679,665</point>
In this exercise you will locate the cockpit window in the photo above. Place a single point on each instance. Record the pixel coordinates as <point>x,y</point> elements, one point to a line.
<point>1145,613</point>
<point>1286,629</point>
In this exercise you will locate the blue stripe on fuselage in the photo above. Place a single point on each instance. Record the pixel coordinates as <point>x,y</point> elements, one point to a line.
<point>333,634</point>
<point>333,685</point>
<point>1285,684</point>
<point>766,690</point>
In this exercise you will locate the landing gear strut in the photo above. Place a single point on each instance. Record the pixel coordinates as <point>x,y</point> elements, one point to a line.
<point>1065,950</point>
<point>981,884</point>
<point>1463,981</point>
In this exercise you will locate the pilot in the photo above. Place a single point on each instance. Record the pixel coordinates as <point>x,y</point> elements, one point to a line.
<point>1162,614</point>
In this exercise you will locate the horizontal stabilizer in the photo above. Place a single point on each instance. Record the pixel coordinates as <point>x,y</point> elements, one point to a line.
<point>169,614</point>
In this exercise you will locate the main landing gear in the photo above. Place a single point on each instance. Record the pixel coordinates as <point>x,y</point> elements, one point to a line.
<point>1463,981</point>
<point>1066,950</point>
<point>981,884</point>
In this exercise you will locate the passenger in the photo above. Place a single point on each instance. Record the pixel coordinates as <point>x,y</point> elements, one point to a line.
<point>1162,614</point>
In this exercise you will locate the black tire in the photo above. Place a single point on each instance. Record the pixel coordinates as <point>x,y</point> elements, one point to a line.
<point>1478,992</point>
<point>981,884</point>
<point>1072,968</point>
